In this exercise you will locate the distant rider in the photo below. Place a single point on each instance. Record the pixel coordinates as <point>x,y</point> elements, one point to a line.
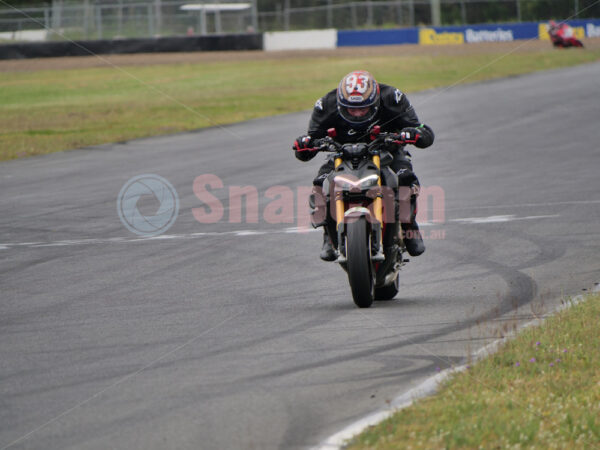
<point>560,34</point>
<point>358,103</point>
<point>553,29</point>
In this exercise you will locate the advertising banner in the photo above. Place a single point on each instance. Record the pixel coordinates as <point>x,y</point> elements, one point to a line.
<point>356,38</point>
<point>478,33</point>
<point>462,34</point>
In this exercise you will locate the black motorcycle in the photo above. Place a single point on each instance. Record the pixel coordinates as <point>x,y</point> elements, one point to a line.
<point>362,195</point>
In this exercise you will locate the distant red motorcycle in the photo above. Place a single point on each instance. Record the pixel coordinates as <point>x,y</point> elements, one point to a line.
<point>562,35</point>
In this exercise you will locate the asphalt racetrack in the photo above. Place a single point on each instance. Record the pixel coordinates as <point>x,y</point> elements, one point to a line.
<point>233,334</point>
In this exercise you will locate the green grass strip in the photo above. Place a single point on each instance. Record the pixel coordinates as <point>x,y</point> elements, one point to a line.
<point>52,110</point>
<point>540,390</point>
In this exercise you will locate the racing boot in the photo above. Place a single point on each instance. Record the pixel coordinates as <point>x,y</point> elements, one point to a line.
<point>411,235</point>
<point>328,253</point>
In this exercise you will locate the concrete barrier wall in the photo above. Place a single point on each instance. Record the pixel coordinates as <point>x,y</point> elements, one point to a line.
<point>25,35</point>
<point>301,40</point>
<point>250,41</point>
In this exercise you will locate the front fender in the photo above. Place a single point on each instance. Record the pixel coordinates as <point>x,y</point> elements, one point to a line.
<point>357,211</point>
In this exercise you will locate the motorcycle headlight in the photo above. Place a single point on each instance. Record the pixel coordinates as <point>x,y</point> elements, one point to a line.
<point>348,184</point>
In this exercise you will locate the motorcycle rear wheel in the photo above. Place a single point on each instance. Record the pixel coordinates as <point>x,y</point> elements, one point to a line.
<point>360,269</point>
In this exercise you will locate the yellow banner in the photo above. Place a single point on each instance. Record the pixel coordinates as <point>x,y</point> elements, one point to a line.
<point>428,36</point>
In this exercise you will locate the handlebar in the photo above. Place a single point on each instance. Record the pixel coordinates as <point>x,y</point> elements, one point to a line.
<point>328,144</point>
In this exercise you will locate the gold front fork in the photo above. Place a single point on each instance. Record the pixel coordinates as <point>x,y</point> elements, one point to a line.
<point>378,203</point>
<point>339,202</point>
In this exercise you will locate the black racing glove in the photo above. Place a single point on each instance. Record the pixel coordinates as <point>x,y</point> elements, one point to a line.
<point>303,143</point>
<point>408,136</point>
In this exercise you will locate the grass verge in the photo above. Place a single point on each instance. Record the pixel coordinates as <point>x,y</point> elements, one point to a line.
<point>540,390</point>
<point>50,110</point>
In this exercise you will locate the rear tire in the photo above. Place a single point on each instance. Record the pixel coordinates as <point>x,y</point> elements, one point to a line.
<point>388,292</point>
<point>360,269</point>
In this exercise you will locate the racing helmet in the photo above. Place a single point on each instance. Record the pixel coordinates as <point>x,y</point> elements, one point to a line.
<point>358,98</point>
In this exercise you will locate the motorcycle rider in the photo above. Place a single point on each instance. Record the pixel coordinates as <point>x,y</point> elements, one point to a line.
<point>553,30</point>
<point>561,34</point>
<point>556,33</point>
<point>358,103</point>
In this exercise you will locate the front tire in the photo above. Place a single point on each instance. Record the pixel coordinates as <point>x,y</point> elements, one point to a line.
<point>388,292</point>
<point>360,269</point>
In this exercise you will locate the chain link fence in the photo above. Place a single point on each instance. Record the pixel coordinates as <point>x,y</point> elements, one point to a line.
<point>104,20</point>
<point>402,13</point>
<point>127,19</point>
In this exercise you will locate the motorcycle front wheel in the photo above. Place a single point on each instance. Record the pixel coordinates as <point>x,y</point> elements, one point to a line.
<point>358,255</point>
<point>388,292</point>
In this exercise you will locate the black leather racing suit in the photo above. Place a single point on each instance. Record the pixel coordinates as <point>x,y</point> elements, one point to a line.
<point>395,113</point>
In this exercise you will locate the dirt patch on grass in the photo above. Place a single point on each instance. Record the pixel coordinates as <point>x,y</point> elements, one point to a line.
<point>146,59</point>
